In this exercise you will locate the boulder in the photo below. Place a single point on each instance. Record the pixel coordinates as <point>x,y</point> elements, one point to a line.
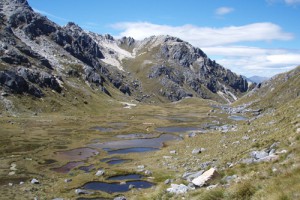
<point>272,151</point>
<point>205,178</point>
<point>173,152</point>
<point>131,186</point>
<point>269,158</point>
<point>258,154</point>
<point>178,189</point>
<point>196,151</point>
<point>141,166</point>
<point>189,176</point>
<point>148,172</point>
<point>68,180</point>
<point>81,191</point>
<point>34,181</point>
<point>245,137</point>
<point>120,198</point>
<point>100,172</point>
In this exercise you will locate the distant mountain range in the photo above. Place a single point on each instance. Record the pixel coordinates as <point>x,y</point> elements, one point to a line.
<point>257,79</point>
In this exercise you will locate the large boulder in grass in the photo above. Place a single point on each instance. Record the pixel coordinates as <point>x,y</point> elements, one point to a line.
<point>205,178</point>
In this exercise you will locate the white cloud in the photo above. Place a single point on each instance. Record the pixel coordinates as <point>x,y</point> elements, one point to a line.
<point>223,10</point>
<point>222,44</point>
<point>288,2</point>
<point>292,2</point>
<point>241,51</point>
<point>206,36</point>
<point>255,61</point>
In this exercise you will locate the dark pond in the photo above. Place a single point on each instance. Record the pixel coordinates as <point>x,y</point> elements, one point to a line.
<point>132,150</point>
<point>87,169</point>
<point>125,177</point>
<point>67,167</point>
<point>116,187</point>
<point>115,160</point>
<point>118,161</point>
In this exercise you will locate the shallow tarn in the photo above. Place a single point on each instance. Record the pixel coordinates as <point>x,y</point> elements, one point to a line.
<point>135,145</point>
<point>116,187</point>
<point>67,167</point>
<point>75,154</point>
<point>125,177</point>
<point>131,150</point>
<point>115,160</point>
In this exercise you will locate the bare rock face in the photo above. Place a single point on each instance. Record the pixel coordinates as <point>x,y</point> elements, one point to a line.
<point>189,69</point>
<point>205,178</point>
<point>30,41</point>
<point>79,44</point>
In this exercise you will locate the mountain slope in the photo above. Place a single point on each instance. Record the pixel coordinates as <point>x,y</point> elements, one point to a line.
<point>37,55</point>
<point>276,91</point>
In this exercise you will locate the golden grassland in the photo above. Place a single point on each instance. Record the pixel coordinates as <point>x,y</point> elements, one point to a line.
<point>35,129</point>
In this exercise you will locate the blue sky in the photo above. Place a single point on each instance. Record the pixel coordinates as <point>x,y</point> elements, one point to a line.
<point>257,37</point>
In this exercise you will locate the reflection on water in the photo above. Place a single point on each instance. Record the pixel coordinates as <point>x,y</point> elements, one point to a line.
<point>125,177</point>
<point>115,160</point>
<point>132,150</point>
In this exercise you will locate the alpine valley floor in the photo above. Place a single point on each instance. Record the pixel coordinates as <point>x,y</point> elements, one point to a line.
<point>233,139</point>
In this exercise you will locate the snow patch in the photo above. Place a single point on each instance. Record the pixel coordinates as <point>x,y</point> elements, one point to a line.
<point>113,54</point>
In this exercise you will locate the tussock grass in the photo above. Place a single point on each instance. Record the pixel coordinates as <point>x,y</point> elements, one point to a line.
<point>29,141</point>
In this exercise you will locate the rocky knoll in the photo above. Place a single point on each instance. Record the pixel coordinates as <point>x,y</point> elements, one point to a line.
<point>36,53</point>
<point>185,66</point>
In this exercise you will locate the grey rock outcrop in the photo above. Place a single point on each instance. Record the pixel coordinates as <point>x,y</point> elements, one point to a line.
<point>189,176</point>
<point>120,198</point>
<point>178,189</point>
<point>79,44</point>
<point>48,51</point>
<point>190,67</point>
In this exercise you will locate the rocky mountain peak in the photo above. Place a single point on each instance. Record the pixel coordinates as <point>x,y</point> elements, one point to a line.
<point>9,7</point>
<point>17,3</point>
<point>174,67</point>
<point>129,41</point>
<point>73,27</point>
